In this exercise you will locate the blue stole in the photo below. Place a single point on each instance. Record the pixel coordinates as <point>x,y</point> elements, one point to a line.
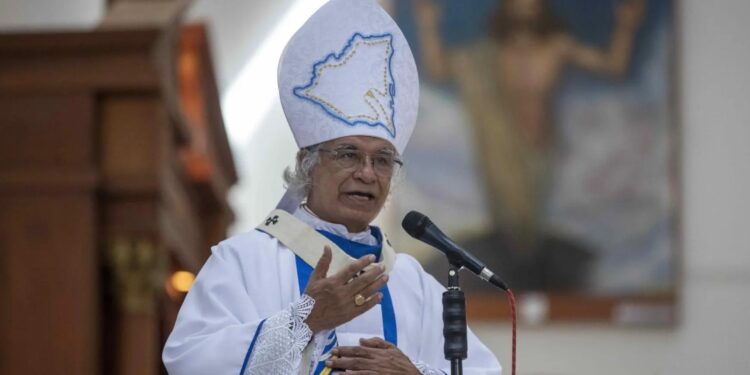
<point>356,250</point>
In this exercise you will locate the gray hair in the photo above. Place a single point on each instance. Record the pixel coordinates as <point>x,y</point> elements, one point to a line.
<point>300,178</point>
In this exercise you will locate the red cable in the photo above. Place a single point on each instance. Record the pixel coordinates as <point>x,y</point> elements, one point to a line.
<point>512,301</point>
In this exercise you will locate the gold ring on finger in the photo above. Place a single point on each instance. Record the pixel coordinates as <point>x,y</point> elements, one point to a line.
<point>359,300</point>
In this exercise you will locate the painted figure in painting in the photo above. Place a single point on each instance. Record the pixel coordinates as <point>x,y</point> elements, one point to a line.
<point>507,82</point>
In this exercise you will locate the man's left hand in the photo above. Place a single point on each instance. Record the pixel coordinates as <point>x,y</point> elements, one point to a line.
<point>374,356</point>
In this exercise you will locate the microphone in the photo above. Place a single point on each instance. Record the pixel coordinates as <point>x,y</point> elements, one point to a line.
<point>422,228</point>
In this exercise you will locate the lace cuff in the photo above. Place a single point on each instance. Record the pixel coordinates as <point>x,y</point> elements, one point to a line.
<point>425,369</point>
<point>278,349</point>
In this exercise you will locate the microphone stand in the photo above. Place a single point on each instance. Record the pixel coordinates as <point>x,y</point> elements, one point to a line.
<point>454,321</point>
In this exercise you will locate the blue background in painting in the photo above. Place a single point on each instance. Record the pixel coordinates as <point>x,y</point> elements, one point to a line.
<point>589,21</point>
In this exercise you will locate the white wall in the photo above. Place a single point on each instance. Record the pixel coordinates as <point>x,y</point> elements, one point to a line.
<point>29,15</point>
<point>713,336</point>
<point>237,28</point>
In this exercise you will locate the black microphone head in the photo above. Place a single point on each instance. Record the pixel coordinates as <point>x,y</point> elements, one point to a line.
<point>415,223</point>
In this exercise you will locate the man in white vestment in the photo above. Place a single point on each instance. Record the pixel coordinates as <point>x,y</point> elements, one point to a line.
<point>315,289</point>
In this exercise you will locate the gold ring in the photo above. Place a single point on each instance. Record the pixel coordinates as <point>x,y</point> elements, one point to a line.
<point>359,300</point>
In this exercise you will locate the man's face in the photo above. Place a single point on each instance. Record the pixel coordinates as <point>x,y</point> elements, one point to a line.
<point>349,196</point>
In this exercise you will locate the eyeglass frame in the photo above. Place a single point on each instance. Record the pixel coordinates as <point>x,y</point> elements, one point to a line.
<point>397,162</point>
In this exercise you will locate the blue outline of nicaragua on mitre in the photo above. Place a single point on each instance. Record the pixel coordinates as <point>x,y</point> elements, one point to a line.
<point>356,86</point>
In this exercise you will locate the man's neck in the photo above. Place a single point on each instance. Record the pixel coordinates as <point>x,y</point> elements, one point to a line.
<point>351,228</point>
<point>308,216</point>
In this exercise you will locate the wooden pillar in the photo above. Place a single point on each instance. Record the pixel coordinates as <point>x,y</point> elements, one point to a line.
<point>48,241</point>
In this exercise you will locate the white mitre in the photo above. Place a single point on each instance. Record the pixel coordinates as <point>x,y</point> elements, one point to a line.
<point>349,71</point>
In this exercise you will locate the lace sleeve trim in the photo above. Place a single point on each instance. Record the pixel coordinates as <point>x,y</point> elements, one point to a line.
<point>281,340</point>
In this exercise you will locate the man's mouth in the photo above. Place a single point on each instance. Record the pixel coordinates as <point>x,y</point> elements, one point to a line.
<point>361,196</point>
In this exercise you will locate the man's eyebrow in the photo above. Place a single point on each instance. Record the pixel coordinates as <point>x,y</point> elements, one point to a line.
<point>346,146</point>
<point>387,151</point>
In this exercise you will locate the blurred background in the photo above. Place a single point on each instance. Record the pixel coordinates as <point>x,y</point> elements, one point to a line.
<point>592,151</point>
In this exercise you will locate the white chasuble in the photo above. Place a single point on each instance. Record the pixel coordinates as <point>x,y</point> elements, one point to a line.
<point>244,314</point>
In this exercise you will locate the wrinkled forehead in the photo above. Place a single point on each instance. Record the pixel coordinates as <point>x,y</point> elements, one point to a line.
<point>361,142</point>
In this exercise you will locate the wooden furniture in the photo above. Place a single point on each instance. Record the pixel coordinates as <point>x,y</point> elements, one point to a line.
<point>114,168</point>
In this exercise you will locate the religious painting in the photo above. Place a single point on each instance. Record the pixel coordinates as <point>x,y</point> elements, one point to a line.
<point>546,145</point>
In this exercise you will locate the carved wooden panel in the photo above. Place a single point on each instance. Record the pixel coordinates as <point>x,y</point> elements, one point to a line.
<point>107,184</point>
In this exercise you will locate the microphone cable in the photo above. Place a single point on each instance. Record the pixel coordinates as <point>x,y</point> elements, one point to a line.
<point>512,302</point>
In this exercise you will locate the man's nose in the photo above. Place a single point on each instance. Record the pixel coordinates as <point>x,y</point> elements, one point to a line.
<point>366,170</point>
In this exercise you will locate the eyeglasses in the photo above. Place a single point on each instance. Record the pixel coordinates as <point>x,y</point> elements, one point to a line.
<point>385,164</point>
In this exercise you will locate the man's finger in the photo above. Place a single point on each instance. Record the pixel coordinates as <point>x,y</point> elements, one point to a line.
<point>370,302</point>
<point>366,278</point>
<point>354,268</point>
<point>321,269</point>
<point>373,287</point>
<point>375,342</point>
<point>350,363</point>
<point>352,351</point>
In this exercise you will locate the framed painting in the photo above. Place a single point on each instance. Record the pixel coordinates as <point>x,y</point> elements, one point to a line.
<point>547,145</point>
